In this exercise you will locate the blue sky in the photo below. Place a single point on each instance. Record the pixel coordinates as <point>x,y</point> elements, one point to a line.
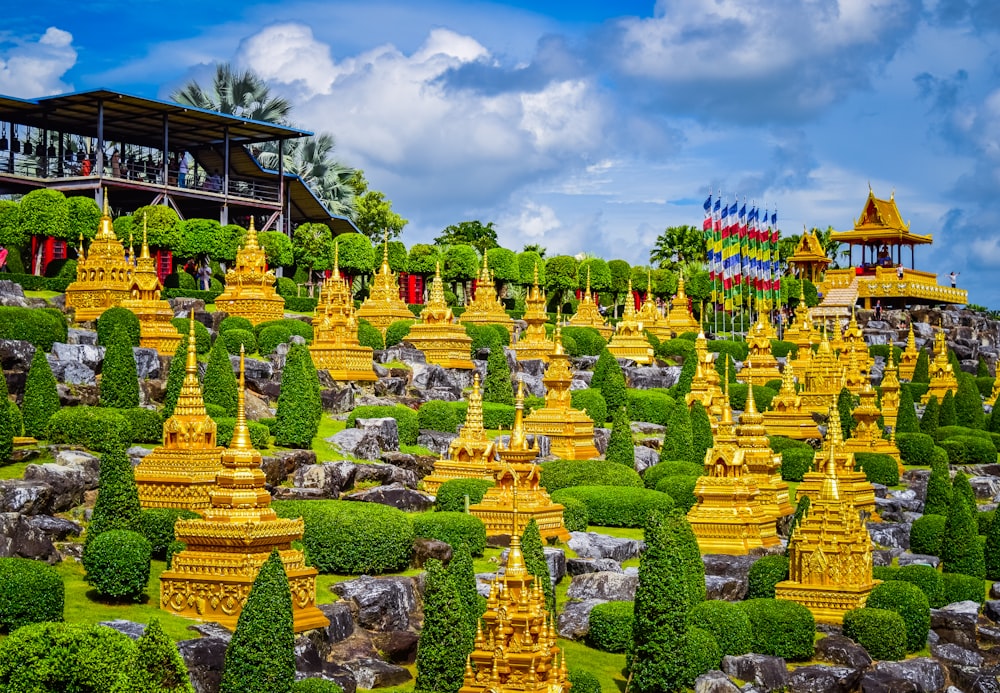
<point>589,127</point>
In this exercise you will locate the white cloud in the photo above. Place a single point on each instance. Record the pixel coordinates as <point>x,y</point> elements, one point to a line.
<point>290,54</point>
<point>31,69</point>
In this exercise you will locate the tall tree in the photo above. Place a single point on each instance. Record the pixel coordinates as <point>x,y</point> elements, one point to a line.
<point>480,236</point>
<point>312,160</point>
<point>373,213</point>
<point>441,651</point>
<point>677,245</point>
<point>234,92</point>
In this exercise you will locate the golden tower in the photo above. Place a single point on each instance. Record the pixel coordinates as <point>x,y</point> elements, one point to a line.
<point>649,314</point>
<point>181,472</point>
<point>829,554</point>
<point>867,435</point>
<point>442,340</point>
<point>472,454</point>
<point>990,401</point>
<point>800,333</point>
<point>787,417</point>
<point>890,393</point>
<point>823,379</point>
<point>679,319</point>
<point>588,314</point>
<point>211,578</point>
<point>485,308</point>
<point>533,342</point>
<point>103,275</point>
<point>517,473</point>
<point>837,340</point>
<point>908,359</point>
<point>154,313</point>
<point>383,305</point>
<point>854,343</point>
<point>943,377</point>
<point>760,366</point>
<point>249,291</point>
<point>570,431</point>
<point>629,341</point>
<point>762,462</point>
<point>705,383</point>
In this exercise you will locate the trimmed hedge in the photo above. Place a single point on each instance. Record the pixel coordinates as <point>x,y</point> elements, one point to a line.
<point>407,420</point>
<point>350,537</point>
<point>591,401</point>
<point>926,534</point>
<point>977,450</point>
<point>315,686</point>
<point>959,588</point>
<point>296,327</point>
<point>878,468</point>
<point>202,337</point>
<point>880,631</point>
<point>609,506</point>
<point>762,396</point>
<point>649,406</point>
<point>454,528</point>
<point>611,626</point>
<point>575,515</point>
<point>680,487</point>
<point>780,628</point>
<point>117,318</point>
<point>782,444</point>
<point>370,336</point>
<point>437,415</point>
<point>496,416</point>
<point>588,341</point>
<point>397,332</point>
<point>94,428</point>
<point>234,322</point>
<point>157,525</point>
<point>915,448</point>
<point>727,622</point>
<point>117,564</point>
<point>271,337</point>
<point>560,474</point>
<point>300,304</point>
<point>34,282</point>
<point>451,494</point>
<point>234,338</point>
<point>40,327</point>
<point>30,592</point>
<point>764,574</point>
<point>910,602</point>
<point>702,654</point>
<point>145,425</point>
<point>583,681</point>
<point>655,474</point>
<point>795,462</point>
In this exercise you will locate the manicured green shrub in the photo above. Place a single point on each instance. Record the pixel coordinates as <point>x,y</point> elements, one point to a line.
<point>613,387</point>
<point>960,588</point>
<point>234,322</point>
<point>611,626</point>
<point>962,552</point>
<point>608,506</point>
<point>762,396</point>
<point>437,415</point>
<point>726,622</point>
<point>678,443</point>
<point>407,420</point>
<point>575,515</point>
<point>589,341</point>
<point>939,484</point>
<point>270,337</point>
<point>649,406</point>
<point>583,681</point>
<point>977,450</point>
<point>906,419</point>
<point>878,468</point>
<point>910,602</point>
<point>41,398</point>
<point>681,489</point>
<point>944,432</point>
<point>117,505</point>
<point>157,665</point>
<point>701,431</point>
<point>299,404</point>
<point>592,402</point>
<point>917,390</point>
<point>497,386</point>
<point>620,448</point>
<point>931,417</point>
<point>992,547</point>
<point>795,462</point>
<point>926,533</point>
<point>114,319</point>
<point>765,573</point>
<point>497,416</point>
<point>482,338</point>
<point>157,525</point>
<point>145,425</point>
<point>296,327</point>
<point>119,384</point>
<point>117,564</point>
<point>453,528</point>
<point>352,537</point>
<point>10,422</point>
<point>984,520</point>
<point>234,338</point>
<point>915,448</point>
<point>536,563</point>
<point>926,578</point>
<point>880,631</point>
<point>702,652</point>
<point>451,494</point>
<point>30,592</point>
<point>955,450</point>
<point>442,648</point>
<point>560,474</point>
<point>948,416</point>
<point>780,628</point>
<point>370,336</point>
<point>219,386</point>
<point>969,403</point>
<point>202,338</point>
<point>601,368</point>
<point>655,474</point>
<point>316,686</point>
<point>94,428</point>
<point>40,327</point>
<point>260,435</point>
<point>397,332</point>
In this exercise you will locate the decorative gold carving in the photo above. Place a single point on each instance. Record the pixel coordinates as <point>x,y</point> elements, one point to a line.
<point>629,340</point>
<point>383,305</point>
<point>943,377</point>
<point>908,359</point>
<point>760,365</point>
<point>533,342</point>
<point>154,313</point>
<point>588,314</point>
<point>472,454</point>
<point>868,435</point>
<point>823,378</point>
<point>787,417</point>
<point>705,383</point>
<point>437,335</point>
<point>249,291</point>
<point>103,274</point>
<point>762,462</point>
<point>485,308</point>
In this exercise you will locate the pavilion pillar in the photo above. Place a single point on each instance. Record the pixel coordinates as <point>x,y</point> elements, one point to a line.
<point>281,187</point>
<point>99,154</point>
<point>166,148</point>
<point>60,155</point>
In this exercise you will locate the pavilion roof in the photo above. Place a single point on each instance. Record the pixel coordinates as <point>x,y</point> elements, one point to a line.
<point>880,221</point>
<point>809,249</point>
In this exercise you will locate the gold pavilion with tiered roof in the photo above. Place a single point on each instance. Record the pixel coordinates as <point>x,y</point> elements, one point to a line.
<point>181,472</point>
<point>383,305</point>
<point>442,340</point>
<point>867,435</point>
<point>760,366</point>
<point>335,346</point>
<point>485,308</point>
<point>249,291</point>
<point>943,379</point>
<point>212,577</point>
<point>103,273</point>
<point>588,314</point>
<point>809,260</point>
<point>155,329</point>
<point>629,340</point>
<point>787,417</point>
<point>533,343</point>
<point>653,321</point>
<point>762,462</point>
<point>822,380</point>
<point>829,554</point>
<point>517,473</point>
<point>705,383</point>
<point>679,318</point>
<point>890,393</point>
<point>908,358</point>
<point>472,454</point>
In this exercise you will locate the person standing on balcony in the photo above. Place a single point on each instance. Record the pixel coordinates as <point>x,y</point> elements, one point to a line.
<point>182,170</point>
<point>116,164</point>
<point>954,278</point>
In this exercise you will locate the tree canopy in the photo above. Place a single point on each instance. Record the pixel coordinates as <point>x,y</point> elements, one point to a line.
<point>480,236</point>
<point>678,245</point>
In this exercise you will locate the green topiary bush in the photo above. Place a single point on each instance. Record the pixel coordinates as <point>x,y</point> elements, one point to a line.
<point>443,646</point>
<point>157,525</point>
<point>315,686</point>
<point>497,386</point>
<point>910,602</point>
<point>144,425</point>
<point>726,622</point>
<point>780,628</point>
<point>926,578</point>
<point>655,474</point>
<point>678,441</point>
<point>235,338</point>
<point>94,428</point>
<point>234,322</point>
<point>453,528</point>
<point>575,515</point>
<point>915,448</point>
<point>560,474</point>
<point>407,420</point>
<point>299,404</point>
<point>878,468</point>
<point>437,415</point>
<point>681,489</point>
<point>962,552</point>
<point>296,327</point>
<point>270,337</point>
<point>397,332</point>
<point>939,484</point>
<point>608,506</point>
<point>926,533</point>
<point>202,338</point>
<point>30,592</point>
<point>40,327</point>
<point>41,398</point>
<point>119,384</point>
<point>611,626</point>
<point>451,494</point>
<point>370,336</point>
<point>764,574</point>
<point>588,341</point>
<point>591,401</point>
<point>114,319</point>
<point>583,681</point>
<point>959,588</point>
<point>496,416</point>
<point>795,462</point>
<point>219,386</point>
<point>260,435</point>
<point>977,450</point>
<point>117,564</point>
<point>702,653</point>
<point>649,406</point>
<point>880,631</point>
<point>620,449</point>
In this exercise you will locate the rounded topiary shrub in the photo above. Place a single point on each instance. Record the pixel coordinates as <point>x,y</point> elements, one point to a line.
<point>30,592</point>
<point>560,474</point>
<point>592,402</point>
<point>157,525</point>
<point>437,415</point>
<point>780,628</point>
<point>270,337</point>
<point>117,318</point>
<point>609,506</point>
<point>296,327</point>
<point>655,474</point>
<point>928,579</point>
<point>978,450</point>
<point>701,652</point>
<point>40,327</point>
<point>454,528</point>
<point>650,406</point>
<point>880,631</point>
<point>795,462</point>
<point>117,564</point>
<point>350,537</point>
<point>95,428</point>
<point>316,686</point>
<point>406,419</point>
<point>911,603</point>
<point>926,533</point>
<point>878,469</point>
<point>234,322</point>
<point>681,489</point>
<point>202,337</point>
<point>234,339</point>
<point>764,574</point>
<point>611,626</point>
<point>397,332</point>
<point>915,448</point>
<point>583,681</point>
<point>956,587</point>
<point>575,516</point>
<point>724,620</point>
<point>451,494</point>
<point>369,336</point>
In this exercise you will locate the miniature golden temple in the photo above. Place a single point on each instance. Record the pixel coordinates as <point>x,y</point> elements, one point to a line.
<point>829,554</point>
<point>800,332</point>
<point>570,431</point>
<point>629,341</point>
<point>442,340</point>
<point>728,516</point>
<point>908,359</point>
<point>890,393</point>
<point>335,345</point>
<point>787,417</point>
<point>181,472</point>
<point>762,462</point>
<point>383,305</point>
<point>485,308</point>
<point>854,356</point>
<point>679,318</point>
<point>705,383</point>
<point>472,454</point>
<point>155,329</point>
<point>533,343</point>
<point>588,314</point>
<point>760,366</point>
<point>867,435</point>
<point>942,374</point>
<point>822,380</point>
<point>212,577</point>
<point>249,291</point>
<point>103,274</point>
<point>649,314</point>
<point>517,473</point>
<point>809,260</point>
<point>990,401</point>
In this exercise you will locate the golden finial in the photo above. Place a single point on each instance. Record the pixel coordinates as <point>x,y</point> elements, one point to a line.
<point>251,239</point>
<point>536,276</point>
<point>437,270</point>
<point>191,365</point>
<point>241,432</point>
<point>588,281</point>
<point>385,249</point>
<point>80,252</point>
<point>106,211</point>
<point>518,439</point>
<point>830,489</point>
<point>336,261</point>
<point>145,240</point>
<point>131,247</point>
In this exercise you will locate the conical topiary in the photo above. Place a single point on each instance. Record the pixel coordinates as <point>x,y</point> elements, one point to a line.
<point>7,431</point>
<point>176,377</point>
<point>938,485</point>
<point>982,370</point>
<point>613,386</point>
<point>993,424</point>
<point>534,559</point>
<point>497,387</point>
<point>845,405</point>
<point>932,413</point>
<point>119,386</point>
<point>604,362</point>
<point>677,439</point>
<point>906,419</point>
<point>299,409</point>
<point>701,431</point>
<point>157,666</point>
<point>621,450</point>
<point>962,552</point>
<point>969,403</point>
<point>441,652</point>
<point>117,505</point>
<point>922,369</point>
<point>948,416</point>
<point>41,397</point>
<point>219,386</point>
<point>463,576</point>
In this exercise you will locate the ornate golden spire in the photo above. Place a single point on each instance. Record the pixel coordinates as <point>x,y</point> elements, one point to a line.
<point>131,248</point>
<point>145,240</point>
<point>251,241</point>
<point>518,439</point>
<point>105,230</point>
<point>80,251</point>
<point>473,428</point>
<point>241,432</point>
<point>190,401</point>
<point>385,250</point>
<point>588,281</point>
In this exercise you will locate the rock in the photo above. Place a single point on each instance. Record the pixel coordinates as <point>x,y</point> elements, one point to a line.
<point>544,445</point>
<point>16,354</point>
<point>330,478</point>
<point>579,566</point>
<point>885,682</point>
<point>379,604</point>
<point>646,377</point>
<point>67,484</point>
<point>714,682</point>
<point>337,400</point>
<point>601,438</point>
<point>956,623</point>
<point>726,588</point>
<point>357,442</point>
<point>395,495</point>
<point>890,534</point>
<point>425,549</point>
<point>384,474</point>
<point>985,487</point>
<point>398,646</point>
<point>574,619</point>
<point>436,441</point>
<point>420,465</point>
<point>766,673</point>
<point>728,566</point>
<point>204,658</point>
<point>278,466</point>
<point>820,678</point>
<point>147,362</point>
<point>130,628</point>
<point>556,558</point>
<point>919,559</point>
<point>843,651</point>
<point>402,352</point>
<point>645,458</point>
<point>926,675</point>
<point>19,538</point>
<point>594,545</point>
<point>87,355</point>
<point>603,586</point>
<point>884,557</point>
<point>386,431</point>
<point>950,653</point>
<point>646,428</point>
<point>374,673</point>
<point>391,387</point>
<point>55,528</point>
<point>26,497</point>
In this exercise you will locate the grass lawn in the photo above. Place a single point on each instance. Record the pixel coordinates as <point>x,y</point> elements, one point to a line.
<point>16,470</point>
<point>41,294</point>
<point>605,666</point>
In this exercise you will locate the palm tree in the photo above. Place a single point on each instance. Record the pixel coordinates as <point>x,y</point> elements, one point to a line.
<point>311,158</point>
<point>244,94</point>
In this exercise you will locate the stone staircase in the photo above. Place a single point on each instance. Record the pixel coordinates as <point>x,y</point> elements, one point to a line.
<point>837,303</point>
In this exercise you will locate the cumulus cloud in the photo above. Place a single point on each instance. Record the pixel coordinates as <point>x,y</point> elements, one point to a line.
<point>36,68</point>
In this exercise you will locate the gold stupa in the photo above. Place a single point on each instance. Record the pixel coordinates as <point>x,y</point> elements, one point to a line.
<point>249,291</point>
<point>762,462</point>
<point>485,308</point>
<point>103,274</point>
<point>890,393</point>
<point>800,332</point>
<point>760,366</point>
<point>823,379</point>
<point>533,342</point>
<point>588,314</point>
<point>629,341</point>
<point>383,305</point>
<point>908,359</point>
<point>335,345</point>
<point>854,357</point>
<point>442,340</point>
<point>181,472</point>
<point>787,417</point>
<point>943,377</point>
<point>728,516</point>
<point>829,554</point>
<point>653,321</point>
<point>867,435</point>
<point>155,329</point>
<point>472,454</point>
<point>211,578</point>
<point>570,431</point>
<point>705,383</point>
<point>517,473</point>
<point>679,318</point>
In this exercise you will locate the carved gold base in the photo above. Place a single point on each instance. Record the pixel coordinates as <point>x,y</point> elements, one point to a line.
<point>854,488</point>
<point>570,432</point>
<point>88,303</point>
<point>795,426</point>
<point>445,470</point>
<point>178,478</point>
<point>499,519</point>
<point>345,363</point>
<point>157,335</point>
<point>638,350</point>
<point>828,604</point>
<point>527,351</point>
<point>381,314</point>
<point>733,531</point>
<point>818,402</point>
<point>255,308</point>
<point>939,390</point>
<point>598,323</point>
<point>773,496</point>
<point>493,318</point>
<point>447,348</point>
<point>908,364</point>
<point>758,373</point>
<point>680,323</point>
<point>880,447</point>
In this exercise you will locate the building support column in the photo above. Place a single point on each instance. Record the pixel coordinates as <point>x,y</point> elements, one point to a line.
<point>281,187</point>
<point>99,154</point>
<point>166,149</point>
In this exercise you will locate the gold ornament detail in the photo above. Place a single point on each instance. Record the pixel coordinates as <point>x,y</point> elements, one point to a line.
<point>629,340</point>
<point>383,305</point>
<point>787,417</point>
<point>155,329</point>
<point>485,308</point>
<point>103,273</point>
<point>943,378</point>
<point>760,365</point>
<point>588,313</point>
<point>249,291</point>
<point>533,343</point>
<point>442,340</point>
<point>472,454</point>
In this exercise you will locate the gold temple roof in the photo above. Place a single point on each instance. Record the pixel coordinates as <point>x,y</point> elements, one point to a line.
<point>880,221</point>
<point>809,249</point>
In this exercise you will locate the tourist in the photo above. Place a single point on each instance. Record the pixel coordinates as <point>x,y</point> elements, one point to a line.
<point>205,276</point>
<point>3,260</point>
<point>899,272</point>
<point>878,310</point>
<point>116,164</point>
<point>954,277</point>
<point>85,166</point>
<point>182,170</point>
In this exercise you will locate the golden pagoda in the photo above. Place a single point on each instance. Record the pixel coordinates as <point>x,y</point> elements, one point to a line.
<point>472,454</point>
<point>629,341</point>
<point>383,305</point>
<point>533,342</point>
<point>155,329</point>
<point>829,554</point>
<point>855,346</point>
<point>823,379</point>
<point>516,650</point>
<point>588,314</point>
<point>442,340</point>
<point>211,578</point>
<point>837,340</point>
<point>800,332</point>
<point>485,308</point>
<point>705,383</point>
<point>103,274</point>
<point>570,431</point>
<point>855,489</point>
<point>181,472</point>
<point>728,516</point>
<point>762,462</point>
<point>867,435</point>
<point>249,291</point>
<point>517,473</point>
<point>943,377</point>
<point>890,393</point>
<point>787,417</point>
<point>908,359</point>
<point>809,261</point>
<point>990,401</point>
<point>855,377</point>
<point>335,345</point>
<point>679,318</point>
<point>649,314</point>
<point>760,366</point>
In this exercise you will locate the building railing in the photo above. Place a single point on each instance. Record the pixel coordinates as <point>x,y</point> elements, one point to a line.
<point>885,282</point>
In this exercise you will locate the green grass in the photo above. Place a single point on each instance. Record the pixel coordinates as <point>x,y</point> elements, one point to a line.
<point>41,294</point>
<point>16,470</point>
<point>605,666</point>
